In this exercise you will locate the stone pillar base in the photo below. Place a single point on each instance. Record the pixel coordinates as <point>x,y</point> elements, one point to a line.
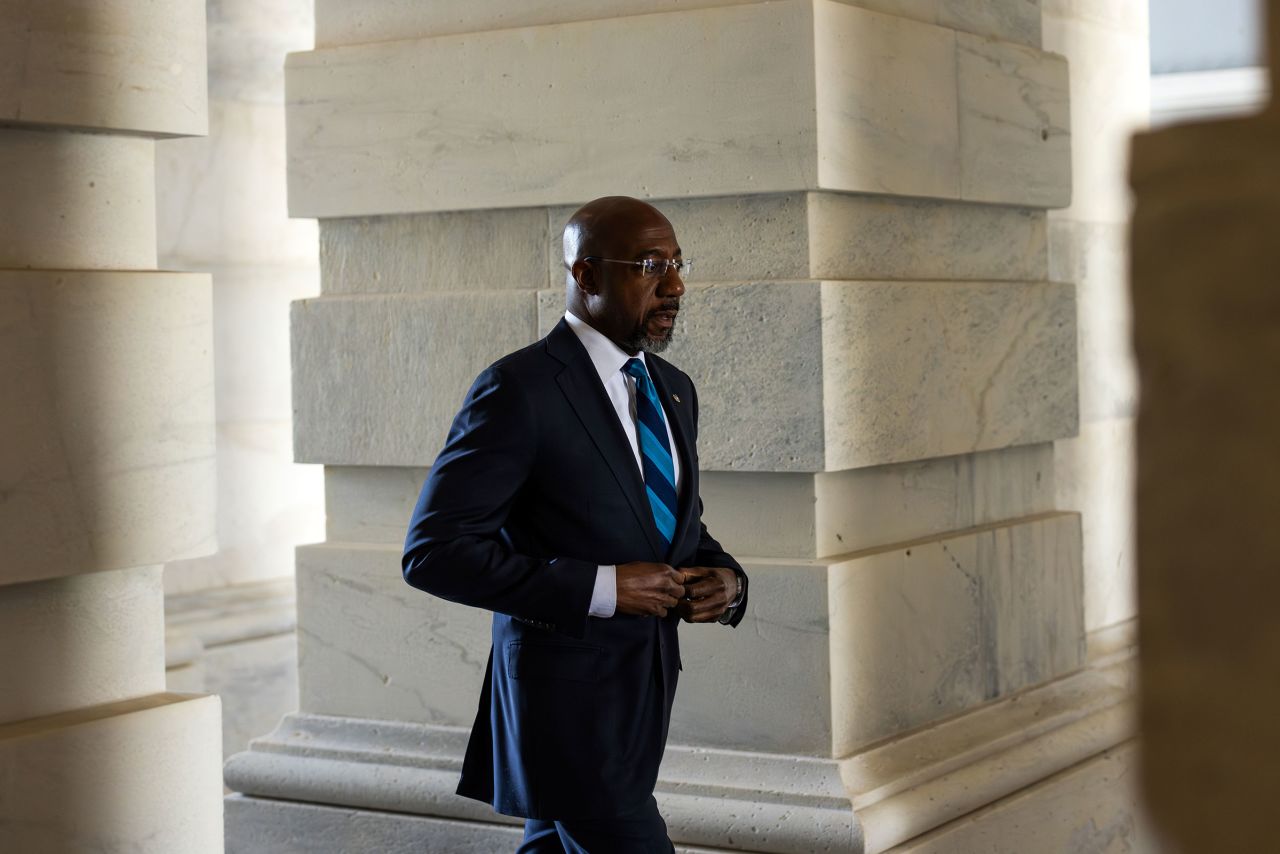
<point>972,777</point>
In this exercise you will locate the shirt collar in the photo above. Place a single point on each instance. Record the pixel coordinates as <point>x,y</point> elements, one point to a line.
<point>607,357</point>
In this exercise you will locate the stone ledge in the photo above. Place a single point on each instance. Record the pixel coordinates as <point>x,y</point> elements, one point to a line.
<point>795,805</point>
<point>724,799</point>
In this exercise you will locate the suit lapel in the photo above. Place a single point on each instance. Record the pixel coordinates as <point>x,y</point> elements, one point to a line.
<point>679,417</point>
<point>581,386</point>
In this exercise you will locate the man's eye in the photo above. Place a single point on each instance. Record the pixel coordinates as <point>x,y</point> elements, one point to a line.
<point>649,266</point>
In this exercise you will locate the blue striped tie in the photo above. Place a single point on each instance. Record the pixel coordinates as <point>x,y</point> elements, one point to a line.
<point>655,453</point>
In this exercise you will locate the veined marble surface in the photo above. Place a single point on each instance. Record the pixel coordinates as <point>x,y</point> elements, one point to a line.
<point>941,625</point>
<point>843,651</point>
<point>841,375</point>
<point>110,461</point>
<point>856,101</point>
<point>339,22</point>
<point>378,379</point>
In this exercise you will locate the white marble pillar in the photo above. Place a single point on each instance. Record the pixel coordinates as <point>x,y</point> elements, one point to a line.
<point>221,207</point>
<point>1106,43</point>
<point>1206,313</point>
<point>883,367</point>
<point>106,467</point>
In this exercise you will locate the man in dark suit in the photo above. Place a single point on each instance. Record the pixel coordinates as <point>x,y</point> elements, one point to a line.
<point>566,501</point>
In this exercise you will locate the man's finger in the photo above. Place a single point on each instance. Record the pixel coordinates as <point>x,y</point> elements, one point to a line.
<point>704,588</point>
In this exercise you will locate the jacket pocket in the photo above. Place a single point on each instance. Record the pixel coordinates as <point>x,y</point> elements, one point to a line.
<point>540,660</point>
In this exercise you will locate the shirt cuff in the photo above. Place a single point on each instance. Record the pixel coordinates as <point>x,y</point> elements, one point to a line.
<point>604,598</point>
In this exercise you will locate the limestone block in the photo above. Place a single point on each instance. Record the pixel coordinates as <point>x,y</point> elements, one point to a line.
<point>879,237</point>
<point>916,370</point>
<point>928,629</point>
<point>864,371</point>
<point>853,374</point>
<point>370,504</point>
<point>916,632</point>
<point>76,200</point>
<point>109,64</point>
<point>80,641</point>
<point>108,457</point>
<point>140,775</point>
<point>784,706</point>
<point>853,100</point>
<point>833,513</point>
<point>1096,476</point>
<point>377,380</point>
<point>1015,123</point>
<point>870,68</point>
<point>340,23</point>
<point>360,618</point>
<point>453,251</point>
<point>844,236</point>
<point>1093,806</point>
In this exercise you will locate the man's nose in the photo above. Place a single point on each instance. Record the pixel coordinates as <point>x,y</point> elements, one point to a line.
<point>671,284</point>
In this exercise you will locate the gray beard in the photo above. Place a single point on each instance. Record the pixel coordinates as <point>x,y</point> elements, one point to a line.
<point>649,344</point>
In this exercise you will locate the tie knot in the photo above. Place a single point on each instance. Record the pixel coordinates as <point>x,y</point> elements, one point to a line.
<point>635,368</point>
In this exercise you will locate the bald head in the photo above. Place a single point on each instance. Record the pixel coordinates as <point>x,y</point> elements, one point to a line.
<point>605,242</point>
<point>595,228</point>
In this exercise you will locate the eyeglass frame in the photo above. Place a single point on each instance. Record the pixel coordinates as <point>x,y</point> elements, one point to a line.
<point>681,266</point>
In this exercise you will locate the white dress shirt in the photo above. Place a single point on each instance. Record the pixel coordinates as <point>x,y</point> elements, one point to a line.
<point>608,359</point>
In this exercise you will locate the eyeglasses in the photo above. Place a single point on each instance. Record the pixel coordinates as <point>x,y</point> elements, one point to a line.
<point>653,267</point>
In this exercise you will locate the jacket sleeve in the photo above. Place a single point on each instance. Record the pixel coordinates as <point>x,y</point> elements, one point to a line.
<point>710,552</point>
<point>456,548</point>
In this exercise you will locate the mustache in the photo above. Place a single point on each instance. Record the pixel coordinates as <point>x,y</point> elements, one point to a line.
<point>667,305</point>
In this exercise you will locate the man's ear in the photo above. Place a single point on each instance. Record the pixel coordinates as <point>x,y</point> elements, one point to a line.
<point>585,276</point>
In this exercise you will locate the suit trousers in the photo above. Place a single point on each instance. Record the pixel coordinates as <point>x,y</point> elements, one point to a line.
<point>640,832</point>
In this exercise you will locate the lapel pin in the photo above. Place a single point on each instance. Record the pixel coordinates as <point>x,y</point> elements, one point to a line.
<point>676,398</point>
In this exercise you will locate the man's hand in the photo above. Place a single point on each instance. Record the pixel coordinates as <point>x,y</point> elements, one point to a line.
<point>708,592</point>
<point>648,589</point>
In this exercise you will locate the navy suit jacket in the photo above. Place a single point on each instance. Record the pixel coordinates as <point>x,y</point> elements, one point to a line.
<point>536,486</point>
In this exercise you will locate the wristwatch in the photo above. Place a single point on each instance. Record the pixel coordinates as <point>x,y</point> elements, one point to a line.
<point>737,600</point>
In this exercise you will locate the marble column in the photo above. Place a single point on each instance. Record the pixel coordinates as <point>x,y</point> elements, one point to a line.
<point>221,207</point>
<point>1206,307</point>
<point>1106,43</point>
<point>107,469</point>
<point>883,361</point>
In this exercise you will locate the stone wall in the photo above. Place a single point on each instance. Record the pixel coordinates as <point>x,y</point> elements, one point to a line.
<point>884,364</point>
